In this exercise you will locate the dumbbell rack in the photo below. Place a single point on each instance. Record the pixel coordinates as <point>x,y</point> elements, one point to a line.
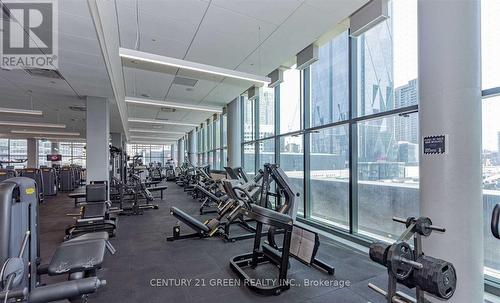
<point>416,229</point>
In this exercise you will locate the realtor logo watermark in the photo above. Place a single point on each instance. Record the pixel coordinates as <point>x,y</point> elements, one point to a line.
<point>29,34</point>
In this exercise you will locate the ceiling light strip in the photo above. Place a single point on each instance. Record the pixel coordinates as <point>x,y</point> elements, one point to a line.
<point>138,130</point>
<point>5,110</point>
<point>160,103</point>
<point>195,66</point>
<point>32,124</point>
<point>154,121</point>
<point>34,132</point>
<point>153,138</point>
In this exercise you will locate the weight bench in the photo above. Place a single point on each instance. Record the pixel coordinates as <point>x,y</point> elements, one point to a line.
<point>201,230</point>
<point>161,189</point>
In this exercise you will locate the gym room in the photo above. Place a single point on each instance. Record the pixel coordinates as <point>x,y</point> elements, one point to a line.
<point>250,151</point>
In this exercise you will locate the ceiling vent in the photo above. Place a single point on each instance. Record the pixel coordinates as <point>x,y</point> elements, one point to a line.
<point>78,108</point>
<point>44,73</point>
<point>185,81</point>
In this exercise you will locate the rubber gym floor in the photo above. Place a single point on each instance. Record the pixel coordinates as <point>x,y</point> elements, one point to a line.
<point>143,254</point>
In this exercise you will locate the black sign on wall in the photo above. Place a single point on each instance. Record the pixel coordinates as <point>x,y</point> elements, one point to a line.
<point>434,145</point>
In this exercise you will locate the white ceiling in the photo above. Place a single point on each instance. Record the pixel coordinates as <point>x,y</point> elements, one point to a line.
<point>253,36</point>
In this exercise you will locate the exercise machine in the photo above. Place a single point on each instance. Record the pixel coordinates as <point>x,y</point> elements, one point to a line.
<point>298,242</point>
<point>50,183</point>
<point>7,173</point>
<point>96,214</point>
<point>35,174</point>
<point>21,273</point>
<point>410,267</point>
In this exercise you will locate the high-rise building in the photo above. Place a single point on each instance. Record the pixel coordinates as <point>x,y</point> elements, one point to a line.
<point>406,128</point>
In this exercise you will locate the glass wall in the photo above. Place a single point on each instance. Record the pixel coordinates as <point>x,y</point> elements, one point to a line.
<point>291,160</point>
<point>330,83</point>
<point>333,120</point>
<point>490,40</point>
<point>491,180</point>
<point>290,101</point>
<point>329,176</point>
<point>211,140</point>
<point>266,112</point>
<point>150,153</point>
<point>44,149</point>
<point>346,129</point>
<point>14,150</point>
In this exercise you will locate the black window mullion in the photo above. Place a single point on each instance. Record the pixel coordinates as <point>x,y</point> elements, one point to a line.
<point>306,117</point>
<point>353,138</point>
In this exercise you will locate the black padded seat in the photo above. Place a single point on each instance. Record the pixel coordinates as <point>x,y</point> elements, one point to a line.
<point>207,193</point>
<point>78,256</point>
<point>271,214</point>
<point>94,210</point>
<point>157,188</point>
<point>189,220</point>
<point>101,235</point>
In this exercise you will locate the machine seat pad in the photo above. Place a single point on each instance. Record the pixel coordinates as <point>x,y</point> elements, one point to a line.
<point>189,220</point>
<point>77,256</point>
<point>77,195</point>
<point>207,193</point>
<point>95,210</point>
<point>101,235</point>
<point>271,214</point>
<point>157,188</point>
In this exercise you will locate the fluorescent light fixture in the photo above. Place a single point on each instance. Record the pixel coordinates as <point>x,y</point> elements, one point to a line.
<point>152,138</point>
<point>172,104</point>
<point>59,138</point>
<point>140,130</point>
<point>34,132</point>
<point>155,121</point>
<point>20,111</point>
<point>195,66</point>
<point>32,124</point>
<point>152,142</point>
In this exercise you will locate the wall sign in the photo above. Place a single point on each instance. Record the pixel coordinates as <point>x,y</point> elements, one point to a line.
<point>435,145</point>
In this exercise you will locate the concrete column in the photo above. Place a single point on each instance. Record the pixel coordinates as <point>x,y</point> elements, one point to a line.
<point>97,139</point>
<point>172,156</point>
<point>234,133</point>
<point>180,151</point>
<point>192,148</point>
<point>116,140</point>
<point>32,153</point>
<point>449,78</point>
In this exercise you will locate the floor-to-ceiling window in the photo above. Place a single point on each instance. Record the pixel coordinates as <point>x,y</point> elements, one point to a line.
<point>44,149</point>
<point>149,153</point>
<point>387,144</point>
<point>346,129</point>
<point>14,150</point>
<point>217,136</point>
<point>490,39</point>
